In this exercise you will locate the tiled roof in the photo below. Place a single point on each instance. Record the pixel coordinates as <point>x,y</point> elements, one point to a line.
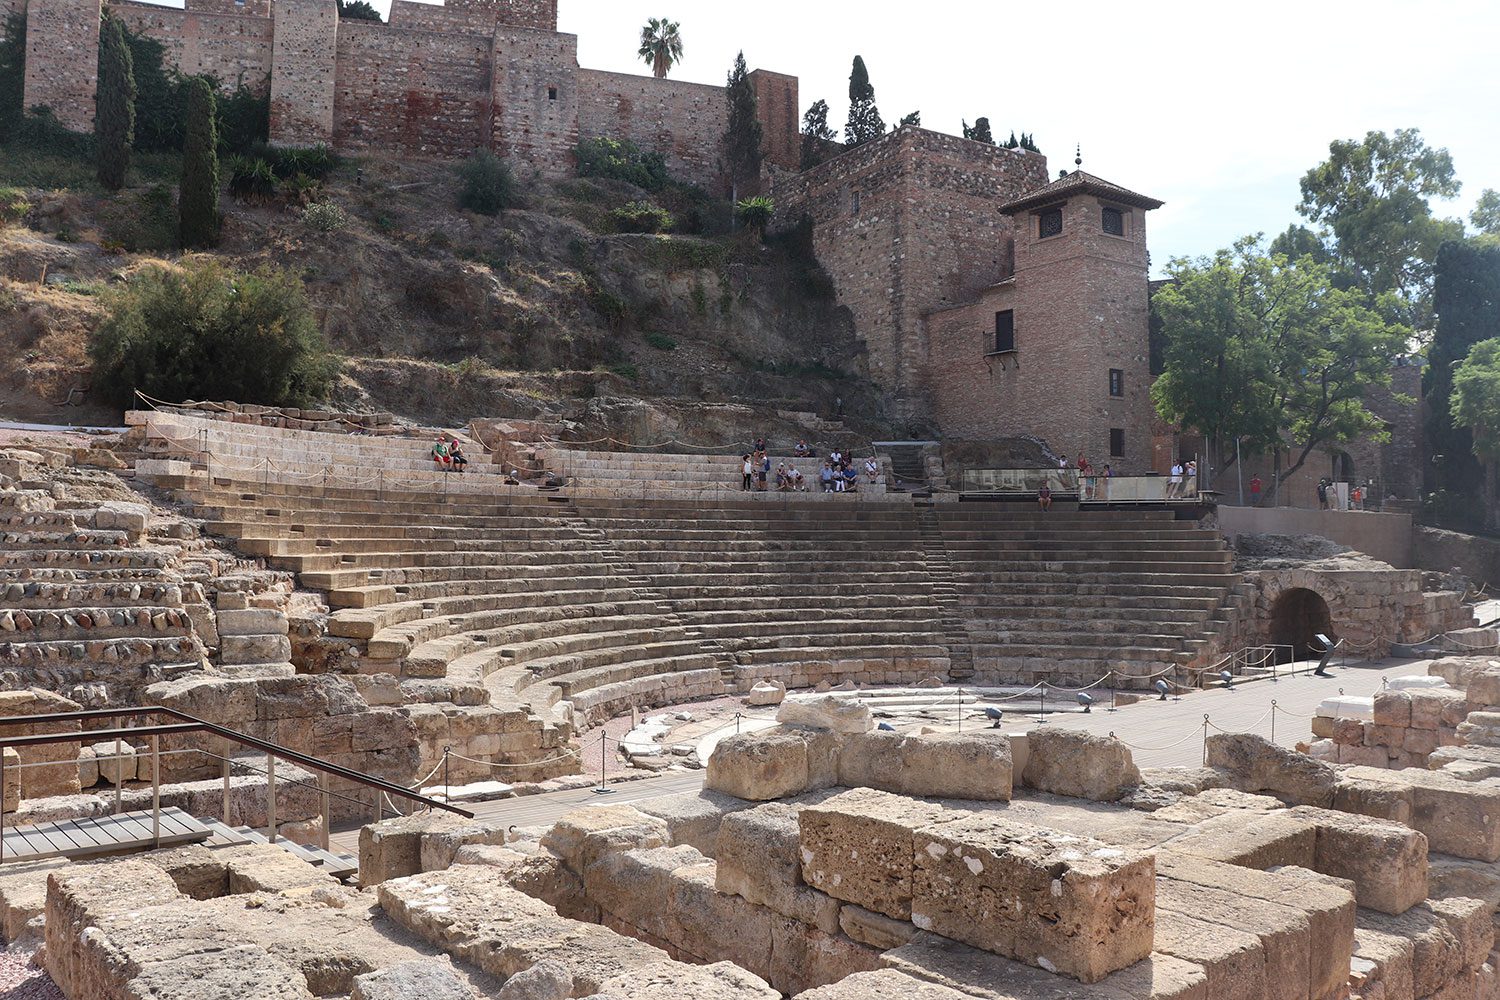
<point>1079,182</point>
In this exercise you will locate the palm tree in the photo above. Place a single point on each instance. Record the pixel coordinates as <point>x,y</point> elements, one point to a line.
<point>661,46</point>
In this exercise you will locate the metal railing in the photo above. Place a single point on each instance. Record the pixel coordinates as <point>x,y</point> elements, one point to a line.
<point>1091,488</point>
<point>187,724</point>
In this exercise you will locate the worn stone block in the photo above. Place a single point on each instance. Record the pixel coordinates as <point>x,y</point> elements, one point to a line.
<point>1386,862</point>
<point>392,848</point>
<point>1255,764</point>
<point>1074,906</point>
<point>874,929</point>
<point>1081,765</point>
<point>694,818</point>
<point>758,854</point>
<point>1392,708</point>
<point>585,835</point>
<point>774,764</point>
<point>430,980</point>
<point>826,711</point>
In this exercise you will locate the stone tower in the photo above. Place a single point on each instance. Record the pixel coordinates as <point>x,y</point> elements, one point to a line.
<point>62,59</point>
<point>303,71</point>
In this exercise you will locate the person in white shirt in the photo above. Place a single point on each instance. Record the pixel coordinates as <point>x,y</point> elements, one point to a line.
<point>749,473</point>
<point>1174,484</point>
<point>872,469</point>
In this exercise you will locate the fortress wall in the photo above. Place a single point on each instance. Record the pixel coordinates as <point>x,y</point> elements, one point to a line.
<point>62,59</point>
<point>418,91</point>
<point>780,117</point>
<point>8,8</point>
<point>235,49</point>
<point>240,8</point>
<point>682,121</point>
<point>535,96</point>
<point>474,17</point>
<point>303,71</point>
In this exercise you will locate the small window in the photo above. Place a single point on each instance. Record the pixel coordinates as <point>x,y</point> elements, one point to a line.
<point>1116,382</point>
<point>1114,222</point>
<point>1049,223</point>
<point>1005,331</point>
<point>854,203</point>
<point>551,93</point>
<point>1116,442</point>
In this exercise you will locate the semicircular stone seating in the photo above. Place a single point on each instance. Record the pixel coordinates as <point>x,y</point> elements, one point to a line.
<point>596,604</point>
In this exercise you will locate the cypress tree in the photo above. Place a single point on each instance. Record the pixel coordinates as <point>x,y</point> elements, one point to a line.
<point>864,122</point>
<point>12,72</point>
<point>198,197</point>
<point>114,119</point>
<point>742,138</point>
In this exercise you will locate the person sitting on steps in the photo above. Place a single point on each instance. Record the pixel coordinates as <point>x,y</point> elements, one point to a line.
<point>456,454</point>
<point>1044,497</point>
<point>440,453</point>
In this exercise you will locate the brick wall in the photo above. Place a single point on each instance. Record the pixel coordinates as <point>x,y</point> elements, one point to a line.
<point>780,117</point>
<point>243,8</point>
<point>234,49</point>
<point>926,235</point>
<point>535,95</point>
<point>418,91</point>
<point>539,15</point>
<point>682,121</point>
<point>1079,302</point>
<point>62,59</point>
<point>303,71</point>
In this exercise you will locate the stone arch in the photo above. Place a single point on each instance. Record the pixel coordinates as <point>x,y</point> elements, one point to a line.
<point>1297,615</point>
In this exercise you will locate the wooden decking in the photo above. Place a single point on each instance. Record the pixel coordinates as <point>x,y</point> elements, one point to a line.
<point>76,838</point>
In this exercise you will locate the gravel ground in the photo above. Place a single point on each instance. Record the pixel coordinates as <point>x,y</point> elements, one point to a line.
<point>19,980</point>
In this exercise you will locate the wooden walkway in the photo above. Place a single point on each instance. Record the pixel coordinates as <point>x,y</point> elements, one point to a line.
<point>76,838</point>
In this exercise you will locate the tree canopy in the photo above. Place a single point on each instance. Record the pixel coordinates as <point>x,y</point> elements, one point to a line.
<point>1476,397</point>
<point>816,135</point>
<point>661,45</point>
<point>1372,195</point>
<point>979,131</point>
<point>1270,351</point>
<point>914,118</point>
<point>358,10</point>
<point>742,137</point>
<point>1486,213</point>
<point>865,123</point>
<point>1466,297</point>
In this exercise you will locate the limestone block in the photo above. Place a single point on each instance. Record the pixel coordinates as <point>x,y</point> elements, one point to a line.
<point>1233,960</point>
<point>88,768</point>
<point>251,621</point>
<point>1443,940</point>
<point>887,984</point>
<point>156,468</point>
<point>857,847</point>
<point>438,848</point>
<point>826,711</point>
<point>633,886</point>
<point>775,763</point>
<point>77,898</point>
<point>1282,931</point>
<point>1349,732</point>
<point>1420,742</point>
<point>1276,838</point>
<point>803,958</point>
<point>975,765</point>
<point>430,980</point>
<point>198,872</point>
<point>269,869</point>
<point>1322,726</point>
<point>871,760</point>
<point>1458,817</point>
<point>11,762</point>
<point>1429,706</point>
<point>543,876</point>
<point>673,980</point>
<point>1255,764</point>
<point>1457,671</point>
<point>1080,765</point>
<point>758,854</point>
<point>715,926</point>
<point>544,981</point>
<point>986,976</point>
<point>1070,905</point>
<point>116,766</point>
<point>766,693</point>
<point>392,848</point>
<point>58,770</point>
<point>1392,708</point>
<point>693,818</point>
<point>1386,862</point>
<point>121,516</point>
<point>585,835</point>
<point>244,649</point>
<point>874,929</point>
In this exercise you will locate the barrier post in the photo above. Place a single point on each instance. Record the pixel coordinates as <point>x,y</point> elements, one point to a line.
<point>271,798</point>
<point>1111,678</point>
<point>323,790</point>
<point>603,744</point>
<point>2,811</point>
<point>1043,716</point>
<point>960,709</point>
<point>155,790</point>
<point>1273,720</point>
<point>1205,739</point>
<point>226,785</point>
<point>447,782</point>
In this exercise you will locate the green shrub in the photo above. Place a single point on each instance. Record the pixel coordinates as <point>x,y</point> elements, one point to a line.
<point>661,342</point>
<point>13,206</point>
<point>621,160</point>
<point>671,254</point>
<point>144,223</point>
<point>641,217</point>
<point>755,213</point>
<point>316,162</point>
<point>300,189</point>
<point>612,309</point>
<point>625,369</point>
<point>486,184</point>
<point>325,217</point>
<point>251,179</point>
<point>207,332</point>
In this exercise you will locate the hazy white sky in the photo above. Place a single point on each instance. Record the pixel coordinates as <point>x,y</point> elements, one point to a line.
<point>1216,109</point>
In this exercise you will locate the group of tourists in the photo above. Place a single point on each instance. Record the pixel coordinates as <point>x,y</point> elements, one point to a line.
<point>449,454</point>
<point>839,474</point>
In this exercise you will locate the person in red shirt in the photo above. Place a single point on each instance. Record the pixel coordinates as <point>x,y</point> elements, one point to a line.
<point>1255,491</point>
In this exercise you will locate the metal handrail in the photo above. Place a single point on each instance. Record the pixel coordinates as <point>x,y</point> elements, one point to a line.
<point>193,724</point>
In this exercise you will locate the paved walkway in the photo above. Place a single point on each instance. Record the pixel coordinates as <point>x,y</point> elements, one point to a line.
<point>1160,734</point>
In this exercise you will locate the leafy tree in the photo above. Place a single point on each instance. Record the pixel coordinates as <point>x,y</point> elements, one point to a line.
<point>1486,214</point>
<point>864,122</point>
<point>1372,194</point>
<point>1270,352</point>
<point>198,194</point>
<point>915,118</point>
<point>114,119</point>
<point>980,132</point>
<point>755,213</point>
<point>208,332</point>
<point>13,73</point>
<point>1466,296</point>
<point>358,10</point>
<point>816,135</point>
<point>1476,408</point>
<point>1012,144</point>
<point>742,138</point>
<point>661,46</point>
<point>486,184</point>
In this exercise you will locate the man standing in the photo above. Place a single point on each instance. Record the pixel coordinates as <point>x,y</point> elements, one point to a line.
<point>1255,491</point>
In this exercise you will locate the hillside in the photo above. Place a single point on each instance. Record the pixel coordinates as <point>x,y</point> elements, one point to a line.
<point>443,314</point>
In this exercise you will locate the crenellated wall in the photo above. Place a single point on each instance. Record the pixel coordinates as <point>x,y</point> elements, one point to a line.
<point>234,48</point>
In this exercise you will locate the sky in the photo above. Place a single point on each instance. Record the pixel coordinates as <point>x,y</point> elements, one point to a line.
<point>1216,109</point>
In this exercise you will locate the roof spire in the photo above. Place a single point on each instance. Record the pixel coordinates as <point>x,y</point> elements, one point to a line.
<point>1078,156</point>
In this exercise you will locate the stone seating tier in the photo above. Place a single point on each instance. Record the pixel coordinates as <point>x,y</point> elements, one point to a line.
<point>685,472</point>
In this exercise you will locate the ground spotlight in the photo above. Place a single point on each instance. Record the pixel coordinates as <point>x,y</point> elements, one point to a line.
<point>994,715</point>
<point>1227,678</point>
<point>1163,689</point>
<point>1085,700</point>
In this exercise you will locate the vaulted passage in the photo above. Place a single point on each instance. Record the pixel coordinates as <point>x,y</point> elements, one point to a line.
<point>1297,616</point>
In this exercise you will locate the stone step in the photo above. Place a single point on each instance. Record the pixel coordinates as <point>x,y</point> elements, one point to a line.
<point>431,659</point>
<point>80,540</point>
<point>14,559</point>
